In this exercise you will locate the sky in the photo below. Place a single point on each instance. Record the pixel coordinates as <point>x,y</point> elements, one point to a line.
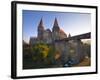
<point>69,22</point>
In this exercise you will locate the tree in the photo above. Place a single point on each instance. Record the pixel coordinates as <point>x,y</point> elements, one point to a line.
<point>40,51</point>
<point>41,56</point>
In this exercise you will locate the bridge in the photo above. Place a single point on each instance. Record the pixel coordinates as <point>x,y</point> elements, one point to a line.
<point>77,37</point>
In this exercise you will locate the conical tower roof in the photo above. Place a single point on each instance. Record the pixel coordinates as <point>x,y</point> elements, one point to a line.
<point>69,35</point>
<point>55,26</point>
<point>41,23</point>
<point>55,22</point>
<point>40,29</point>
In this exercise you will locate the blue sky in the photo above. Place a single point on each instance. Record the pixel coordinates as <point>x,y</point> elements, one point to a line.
<point>70,22</point>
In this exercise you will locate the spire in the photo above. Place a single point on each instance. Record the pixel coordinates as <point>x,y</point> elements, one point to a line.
<point>41,22</point>
<point>69,35</point>
<point>41,26</point>
<point>40,29</point>
<point>55,26</point>
<point>56,22</point>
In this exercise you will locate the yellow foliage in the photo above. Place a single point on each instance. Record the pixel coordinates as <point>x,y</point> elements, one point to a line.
<point>43,49</point>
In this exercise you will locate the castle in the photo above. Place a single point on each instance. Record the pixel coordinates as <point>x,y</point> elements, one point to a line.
<point>71,50</point>
<point>47,35</point>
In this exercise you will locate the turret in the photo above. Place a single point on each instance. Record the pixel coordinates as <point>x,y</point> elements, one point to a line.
<point>55,30</point>
<point>69,35</point>
<point>55,26</point>
<point>40,29</point>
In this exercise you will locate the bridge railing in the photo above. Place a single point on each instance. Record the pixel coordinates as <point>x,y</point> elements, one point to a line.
<point>77,37</point>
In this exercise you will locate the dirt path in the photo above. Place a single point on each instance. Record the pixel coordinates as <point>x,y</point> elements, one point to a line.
<point>85,62</point>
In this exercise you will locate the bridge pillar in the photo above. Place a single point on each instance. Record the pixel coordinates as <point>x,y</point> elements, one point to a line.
<point>76,51</point>
<point>65,53</point>
<point>71,50</point>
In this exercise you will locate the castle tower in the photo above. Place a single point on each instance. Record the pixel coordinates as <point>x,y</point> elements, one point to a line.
<point>55,26</point>
<point>55,30</point>
<point>69,35</point>
<point>40,29</point>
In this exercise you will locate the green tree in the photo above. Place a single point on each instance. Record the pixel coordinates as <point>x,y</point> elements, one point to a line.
<point>43,54</point>
<point>40,51</point>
